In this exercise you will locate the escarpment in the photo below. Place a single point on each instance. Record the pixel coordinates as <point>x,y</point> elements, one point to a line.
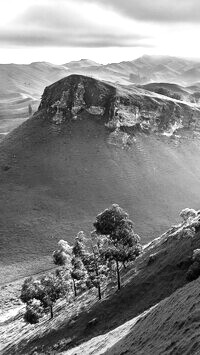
<point>124,109</point>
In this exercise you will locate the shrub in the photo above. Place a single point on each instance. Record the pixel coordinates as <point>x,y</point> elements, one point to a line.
<point>196,255</point>
<point>188,213</point>
<point>34,312</point>
<point>193,272</point>
<point>59,257</point>
<point>163,91</point>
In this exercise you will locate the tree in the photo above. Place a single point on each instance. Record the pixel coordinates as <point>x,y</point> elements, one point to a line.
<point>52,289</point>
<point>48,289</point>
<point>78,272</point>
<point>70,258</point>
<point>62,256</point>
<point>80,249</point>
<point>122,242</point>
<point>92,259</point>
<point>107,221</point>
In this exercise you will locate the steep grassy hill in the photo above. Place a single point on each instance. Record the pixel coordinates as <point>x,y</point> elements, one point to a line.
<point>85,150</point>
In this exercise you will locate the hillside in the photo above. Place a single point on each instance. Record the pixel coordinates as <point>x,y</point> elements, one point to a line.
<point>171,327</point>
<point>171,324</point>
<point>85,150</point>
<point>22,85</point>
<point>183,93</point>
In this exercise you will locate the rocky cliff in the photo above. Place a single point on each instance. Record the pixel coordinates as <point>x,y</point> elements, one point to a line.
<point>124,110</point>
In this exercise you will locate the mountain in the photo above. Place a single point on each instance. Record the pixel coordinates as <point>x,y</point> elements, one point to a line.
<point>82,63</point>
<point>91,144</point>
<point>158,69</point>
<point>22,85</point>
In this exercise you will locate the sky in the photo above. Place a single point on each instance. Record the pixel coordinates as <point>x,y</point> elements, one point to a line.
<point>105,31</point>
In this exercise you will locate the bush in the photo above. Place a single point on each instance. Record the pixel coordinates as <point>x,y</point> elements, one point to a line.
<point>59,257</point>
<point>188,213</point>
<point>33,313</point>
<point>196,255</point>
<point>163,91</point>
<point>193,271</point>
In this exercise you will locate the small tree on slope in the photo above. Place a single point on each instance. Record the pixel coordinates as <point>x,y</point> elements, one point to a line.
<point>47,290</point>
<point>123,244</point>
<point>92,259</point>
<point>70,258</point>
<point>78,272</point>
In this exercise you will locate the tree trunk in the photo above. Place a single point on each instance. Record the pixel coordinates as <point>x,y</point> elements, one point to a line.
<point>75,291</point>
<point>118,276</point>
<point>51,311</point>
<point>99,291</point>
<point>99,285</point>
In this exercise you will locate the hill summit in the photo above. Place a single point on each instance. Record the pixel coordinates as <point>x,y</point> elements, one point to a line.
<point>117,106</point>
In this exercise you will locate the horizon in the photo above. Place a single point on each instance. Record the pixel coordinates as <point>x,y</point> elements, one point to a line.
<point>193,59</point>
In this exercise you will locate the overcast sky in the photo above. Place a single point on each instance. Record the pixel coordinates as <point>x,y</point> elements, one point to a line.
<point>102,30</point>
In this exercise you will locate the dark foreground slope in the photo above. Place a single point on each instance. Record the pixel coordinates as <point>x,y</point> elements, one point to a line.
<point>172,327</point>
<point>90,145</point>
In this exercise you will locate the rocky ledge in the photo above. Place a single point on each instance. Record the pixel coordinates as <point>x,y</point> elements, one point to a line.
<point>120,108</point>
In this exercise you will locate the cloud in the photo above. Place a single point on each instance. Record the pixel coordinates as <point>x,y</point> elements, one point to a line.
<point>157,10</point>
<point>79,40</point>
<point>73,24</point>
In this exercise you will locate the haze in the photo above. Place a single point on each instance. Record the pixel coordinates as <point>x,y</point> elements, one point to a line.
<point>103,30</point>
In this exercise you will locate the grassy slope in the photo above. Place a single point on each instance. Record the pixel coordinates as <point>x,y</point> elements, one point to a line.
<point>54,180</point>
<point>172,327</point>
<point>141,290</point>
<point>22,85</point>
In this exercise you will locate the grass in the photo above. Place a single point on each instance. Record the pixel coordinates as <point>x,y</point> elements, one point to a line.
<point>144,285</point>
<point>54,180</point>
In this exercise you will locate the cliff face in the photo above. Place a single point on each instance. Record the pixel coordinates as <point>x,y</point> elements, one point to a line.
<point>74,94</point>
<point>121,109</point>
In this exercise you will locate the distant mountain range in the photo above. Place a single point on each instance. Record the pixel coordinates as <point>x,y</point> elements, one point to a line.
<point>22,84</point>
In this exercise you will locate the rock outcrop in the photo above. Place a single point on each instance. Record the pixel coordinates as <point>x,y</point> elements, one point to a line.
<point>121,109</point>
